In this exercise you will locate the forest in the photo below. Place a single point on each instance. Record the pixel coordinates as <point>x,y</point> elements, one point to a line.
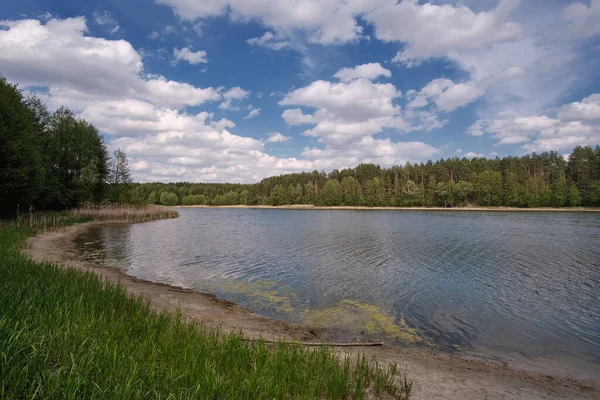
<point>535,180</point>
<point>55,161</point>
<point>52,161</point>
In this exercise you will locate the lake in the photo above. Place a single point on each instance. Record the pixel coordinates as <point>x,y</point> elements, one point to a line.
<point>518,287</point>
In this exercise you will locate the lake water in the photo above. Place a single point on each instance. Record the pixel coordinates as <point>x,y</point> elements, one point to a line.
<point>518,287</point>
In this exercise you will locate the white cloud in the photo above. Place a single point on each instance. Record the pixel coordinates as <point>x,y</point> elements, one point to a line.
<point>143,113</point>
<point>253,113</point>
<point>471,154</point>
<point>269,40</point>
<point>185,54</point>
<point>576,124</point>
<point>348,114</point>
<point>324,21</point>
<point>235,93</point>
<point>446,94</point>
<point>582,20</point>
<point>586,110</point>
<point>103,18</point>
<point>511,72</point>
<point>294,116</point>
<point>517,53</point>
<point>369,150</point>
<point>58,55</point>
<point>369,71</point>
<point>357,99</point>
<point>277,137</point>
<point>431,30</point>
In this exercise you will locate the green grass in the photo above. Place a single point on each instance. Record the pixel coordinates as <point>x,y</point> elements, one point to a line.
<point>65,334</point>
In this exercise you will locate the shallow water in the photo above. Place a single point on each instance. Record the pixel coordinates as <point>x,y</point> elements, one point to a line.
<point>518,287</point>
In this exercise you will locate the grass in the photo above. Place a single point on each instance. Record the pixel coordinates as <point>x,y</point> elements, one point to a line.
<point>66,334</point>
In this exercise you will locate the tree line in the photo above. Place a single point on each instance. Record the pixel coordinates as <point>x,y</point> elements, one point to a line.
<point>534,180</point>
<point>57,161</point>
<point>52,161</point>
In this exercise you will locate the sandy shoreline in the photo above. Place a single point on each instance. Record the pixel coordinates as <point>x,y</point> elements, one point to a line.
<point>435,375</point>
<point>311,207</point>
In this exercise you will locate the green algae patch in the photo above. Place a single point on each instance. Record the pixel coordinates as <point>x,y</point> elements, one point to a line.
<point>258,294</point>
<point>352,316</point>
<point>362,318</point>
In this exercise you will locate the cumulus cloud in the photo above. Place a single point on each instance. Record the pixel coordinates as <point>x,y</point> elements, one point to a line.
<point>143,114</point>
<point>253,113</point>
<point>519,56</point>
<point>369,71</point>
<point>577,123</point>
<point>294,116</point>
<point>431,30</point>
<point>357,99</point>
<point>234,94</point>
<point>587,109</point>
<point>58,55</point>
<point>325,21</point>
<point>424,27</point>
<point>270,41</point>
<point>348,114</point>
<point>277,137</point>
<point>192,57</point>
<point>446,94</point>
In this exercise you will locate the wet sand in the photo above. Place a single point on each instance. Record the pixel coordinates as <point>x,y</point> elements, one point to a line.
<point>435,375</point>
<point>312,207</point>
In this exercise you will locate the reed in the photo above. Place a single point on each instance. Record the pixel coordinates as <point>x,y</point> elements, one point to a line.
<point>124,212</point>
<point>65,333</point>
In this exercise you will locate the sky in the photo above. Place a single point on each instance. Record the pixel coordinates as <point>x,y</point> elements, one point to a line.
<point>238,90</point>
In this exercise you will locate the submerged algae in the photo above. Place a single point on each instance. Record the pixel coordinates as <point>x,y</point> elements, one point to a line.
<point>258,294</point>
<point>359,317</point>
<point>353,316</point>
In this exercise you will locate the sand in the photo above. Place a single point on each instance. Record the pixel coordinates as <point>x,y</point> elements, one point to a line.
<point>435,375</point>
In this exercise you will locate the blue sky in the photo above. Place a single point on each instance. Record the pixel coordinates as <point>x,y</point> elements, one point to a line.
<point>236,90</point>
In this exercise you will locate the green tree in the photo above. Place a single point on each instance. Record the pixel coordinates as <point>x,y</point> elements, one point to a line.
<point>463,191</point>
<point>559,192</point>
<point>488,188</point>
<point>21,170</point>
<point>332,194</point>
<point>444,193</point>
<point>574,199</point>
<point>350,190</point>
<point>119,176</point>
<point>169,199</point>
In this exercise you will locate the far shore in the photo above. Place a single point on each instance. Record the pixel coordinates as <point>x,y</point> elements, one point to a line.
<point>312,207</point>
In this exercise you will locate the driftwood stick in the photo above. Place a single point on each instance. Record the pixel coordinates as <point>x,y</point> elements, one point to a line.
<point>316,344</point>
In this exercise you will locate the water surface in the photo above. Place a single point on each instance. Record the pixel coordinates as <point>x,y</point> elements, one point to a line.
<point>518,287</point>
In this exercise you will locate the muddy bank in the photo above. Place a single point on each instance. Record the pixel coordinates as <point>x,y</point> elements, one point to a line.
<point>435,375</point>
<point>311,207</point>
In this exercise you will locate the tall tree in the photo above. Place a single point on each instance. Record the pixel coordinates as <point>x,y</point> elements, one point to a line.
<point>20,159</point>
